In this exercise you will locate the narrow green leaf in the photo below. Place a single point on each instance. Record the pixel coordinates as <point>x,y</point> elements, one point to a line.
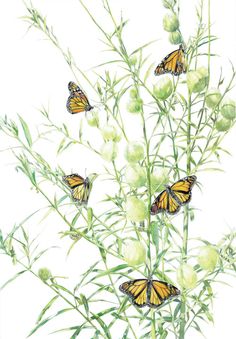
<point>143,46</point>
<point>46,308</point>
<point>42,323</point>
<point>85,303</point>
<point>13,278</point>
<point>26,131</point>
<point>126,332</point>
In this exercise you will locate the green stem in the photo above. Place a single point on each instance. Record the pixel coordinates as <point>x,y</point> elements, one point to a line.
<point>185,226</point>
<point>209,38</point>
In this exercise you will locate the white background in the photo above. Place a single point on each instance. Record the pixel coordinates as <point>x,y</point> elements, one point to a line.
<point>33,74</point>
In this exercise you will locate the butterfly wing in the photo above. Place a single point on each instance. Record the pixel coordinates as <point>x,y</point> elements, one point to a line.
<point>136,290</point>
<point>173,205</point>
<point>80,187</point>
<point>181,190</point>
<point>159,292</point>
<point>160,203</point>
<point>165,202</point>
<point>73,180</point>
<point>173,63</point>
<point>81,193</point>
<point>77,101</point>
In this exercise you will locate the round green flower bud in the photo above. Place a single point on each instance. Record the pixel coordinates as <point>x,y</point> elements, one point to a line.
<point>168,3</point>
<point>186,276</point>
<point>213,97</point>
<point>109,151</point>
<point>197,80</point>
<point>223,125</point>
<point>204,76</point>
<point>135,105</point>
<point>118,137</point>
<point>163,89</point>
<point>133,59</point>
<point>135,176</point>
<point>133,93</point>
<point>92,118</point>
<point>134,252</point>
<point>170,22</point>
<point>208,257</point>
<point>134,152</point>
<point>175,38</point>
<point>159,179</point>
<point>109,133</point>
<point>228,109</point>
<point>44,274</point>
<point>136,209</point>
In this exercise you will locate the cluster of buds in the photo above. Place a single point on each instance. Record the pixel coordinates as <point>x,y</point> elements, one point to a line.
<point>109,148</point>
<point>135,104</point>
<point>228,115</point>
<point>171,23</point>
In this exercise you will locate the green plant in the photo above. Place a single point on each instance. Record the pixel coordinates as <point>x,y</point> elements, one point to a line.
<point>181,121</point>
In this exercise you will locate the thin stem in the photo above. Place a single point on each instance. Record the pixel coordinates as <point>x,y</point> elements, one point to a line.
<point>209,38</point>
<point>185,227</point>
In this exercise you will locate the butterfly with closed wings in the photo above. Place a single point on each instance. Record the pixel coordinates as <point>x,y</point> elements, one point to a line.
<point>173,63</point>
<point>80,187</point>
<point>173,197</point>
<point>149,292</point>
<point>77,101</point>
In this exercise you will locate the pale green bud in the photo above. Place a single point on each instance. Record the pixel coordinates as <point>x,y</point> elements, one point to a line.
<point>197,80</point>
<point>135,105</point>
<point>92,118</point>
<point>208,257</point>
<point>186,276</point>
<point>223,125</point>
<point>109,133</point>
<point>228,109</point>
<point>175,38</point>
<point>163,89</point>
<point>134,252</point>
<point>213,97</point>
<point>136,209</point>
<point>159,179</point>
<point>109,151</point>
<point>135,175</point>
<point>170,22</point>
<point>134,152</point>
<point>133,93</point>
<point>44,273</point>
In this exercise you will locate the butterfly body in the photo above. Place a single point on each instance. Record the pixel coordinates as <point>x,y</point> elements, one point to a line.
<point>173,63</point>
<point>77,101</point>
<point>173,197</point>
<point>80,187</point>
<point>148,292</point>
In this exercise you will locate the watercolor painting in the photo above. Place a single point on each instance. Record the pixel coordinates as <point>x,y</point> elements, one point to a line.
<point>117,136</point>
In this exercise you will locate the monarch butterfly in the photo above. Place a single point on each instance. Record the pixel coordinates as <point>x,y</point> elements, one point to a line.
<point>173,63</point>
<point>80,187</point>
<point>148,292</point>
<point>175,196</point>
<point>77,101</point>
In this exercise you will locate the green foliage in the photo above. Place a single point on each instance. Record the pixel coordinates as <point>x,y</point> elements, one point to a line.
<point>184,121</point>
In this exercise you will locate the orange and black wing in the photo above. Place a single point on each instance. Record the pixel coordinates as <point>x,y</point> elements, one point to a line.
<point>159,292</point>
<point>73,180</point>
<point>77,101</point>
<point>80,187</point>
<point>136,290</point>
<point>173,63</point>
<point>165,202</point>
<point>181,190</point>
